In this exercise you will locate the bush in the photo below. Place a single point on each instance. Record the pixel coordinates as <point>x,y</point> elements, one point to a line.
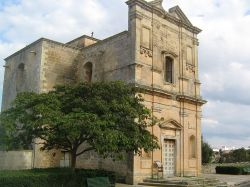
<point>51,177</point>
<point>234,170</point>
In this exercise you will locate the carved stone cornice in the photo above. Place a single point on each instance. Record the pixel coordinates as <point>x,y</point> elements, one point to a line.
<point>190,67</point>
<point>196,42</point>
<point>156,69</point>
<point>147,52</point>
<point>171,125</point>
<point>184,78</point>
<point>180,14</point>
<point>170,95</point>
<point>165,52</point>
<point>189,99</point>
<point>164,14</point>
<point>146,6</point>
<point>135,15</point>
<point>156,91</point>
<point>197,82</point>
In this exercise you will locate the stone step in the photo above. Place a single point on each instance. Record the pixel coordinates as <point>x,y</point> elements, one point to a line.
<point>181,185</point>
<point>184,182</point>
<point>169,185</point>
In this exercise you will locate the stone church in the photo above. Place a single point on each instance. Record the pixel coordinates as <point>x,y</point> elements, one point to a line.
<point>159,53</point>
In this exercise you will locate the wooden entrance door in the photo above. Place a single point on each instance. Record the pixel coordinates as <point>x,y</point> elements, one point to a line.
<point>169,154</point>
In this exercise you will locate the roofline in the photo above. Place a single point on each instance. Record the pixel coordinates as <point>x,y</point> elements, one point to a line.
<point>105,40</point>
<point>165,14</point>
<point>38,41</point>
<point>83,36</point>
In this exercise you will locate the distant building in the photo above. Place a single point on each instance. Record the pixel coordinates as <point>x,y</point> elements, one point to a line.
<point>224,149</point>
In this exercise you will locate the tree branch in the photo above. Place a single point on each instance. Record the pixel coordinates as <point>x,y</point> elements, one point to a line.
<point>85,150</point>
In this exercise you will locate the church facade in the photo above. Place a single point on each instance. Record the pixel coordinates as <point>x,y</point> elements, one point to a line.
<point>158,53</point>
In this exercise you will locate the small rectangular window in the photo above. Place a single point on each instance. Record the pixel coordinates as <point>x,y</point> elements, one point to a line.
<point>169,70</point>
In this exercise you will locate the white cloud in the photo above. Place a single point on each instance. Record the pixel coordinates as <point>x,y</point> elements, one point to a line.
<point>28,20</point>
<point>224,48</point>
<point>226,121</point>
<point>59,20</point>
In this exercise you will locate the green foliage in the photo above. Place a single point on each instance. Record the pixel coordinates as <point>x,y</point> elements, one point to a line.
<point>235,170</point>
<point>241,155</point>
<point>238,155</point>
<point>207,152</point>
<point>107,117</point>
<point>51,177</point>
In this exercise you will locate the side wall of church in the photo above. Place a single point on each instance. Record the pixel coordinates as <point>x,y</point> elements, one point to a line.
<point>58,64</point>
<point>22,73</point>
<point>111,60</point>
<point>57,67</point>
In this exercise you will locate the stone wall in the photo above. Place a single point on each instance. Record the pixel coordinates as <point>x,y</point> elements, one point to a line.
<point>22,72</point>
<point>209,168</point>
<point>16,160</point>
<point>57,65</point>
<point>111,59</point>
<point>92,160</point>
<point>154,37</point>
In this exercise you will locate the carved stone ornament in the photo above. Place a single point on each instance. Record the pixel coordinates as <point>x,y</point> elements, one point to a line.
<point>190,68</point>
<point>147,52</point>
<point>170,124</point>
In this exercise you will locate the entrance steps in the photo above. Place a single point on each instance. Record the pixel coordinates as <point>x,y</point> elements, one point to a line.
<point>184,182</point>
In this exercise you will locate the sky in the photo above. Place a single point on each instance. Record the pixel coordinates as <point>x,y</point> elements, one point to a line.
<point>224,51</point>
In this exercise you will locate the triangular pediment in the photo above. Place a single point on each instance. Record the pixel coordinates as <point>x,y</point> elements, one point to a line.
<point>177,12</point>
<point>170,124</point>
<point>157,3</point>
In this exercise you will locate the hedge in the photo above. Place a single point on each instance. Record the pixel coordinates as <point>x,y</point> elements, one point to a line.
<point>235,170</point>
<point>55,177</point>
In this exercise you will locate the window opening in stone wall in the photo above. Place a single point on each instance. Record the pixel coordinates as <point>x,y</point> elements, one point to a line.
<point>192,147</point>
<point>189,56</point>
<point>65,159</point>
<point>20,77</point>
<point>88,70</point>
<point>169,69</point>
<point>145,38</point>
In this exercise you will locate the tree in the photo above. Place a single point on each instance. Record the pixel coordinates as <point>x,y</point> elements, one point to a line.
<point>207,152</point>
<point>240,155</point>
<point>106,117</point>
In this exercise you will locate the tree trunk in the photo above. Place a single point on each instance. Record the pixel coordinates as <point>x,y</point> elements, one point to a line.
<point>73,160</point>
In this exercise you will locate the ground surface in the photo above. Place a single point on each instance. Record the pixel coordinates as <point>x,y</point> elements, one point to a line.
<point>230,179</point>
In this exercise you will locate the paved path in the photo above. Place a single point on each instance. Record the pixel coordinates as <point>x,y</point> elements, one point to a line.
<point>230,179</point>
<point>126,185</point>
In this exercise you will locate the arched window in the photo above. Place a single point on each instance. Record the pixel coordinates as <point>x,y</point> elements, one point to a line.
<point>192,147</point>
<point>88,70</point>
<point>169,69</point>
<point>20,77</point>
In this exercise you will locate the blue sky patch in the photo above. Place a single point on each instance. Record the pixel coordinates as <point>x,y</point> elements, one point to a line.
<point>247,13</point>
<point>4,3</point>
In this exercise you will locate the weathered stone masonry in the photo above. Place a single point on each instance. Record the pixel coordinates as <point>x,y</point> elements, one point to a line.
<point>158,53</point>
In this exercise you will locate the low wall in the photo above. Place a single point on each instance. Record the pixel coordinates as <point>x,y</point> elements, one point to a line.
<point>15,160</point>
<point>208,168</point>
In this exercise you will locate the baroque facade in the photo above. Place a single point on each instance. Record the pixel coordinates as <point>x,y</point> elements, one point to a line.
<point>158,53</point>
